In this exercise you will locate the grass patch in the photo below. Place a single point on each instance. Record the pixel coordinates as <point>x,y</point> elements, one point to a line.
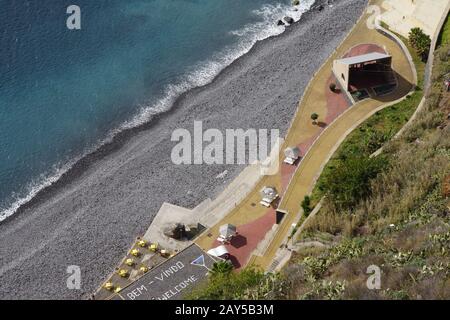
<point>348,182</point>
<point>444,36</point>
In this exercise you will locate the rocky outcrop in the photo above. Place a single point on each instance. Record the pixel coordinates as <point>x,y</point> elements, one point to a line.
<point>288,20</point>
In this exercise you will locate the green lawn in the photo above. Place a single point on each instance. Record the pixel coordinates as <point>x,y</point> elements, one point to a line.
<point>444,37</point>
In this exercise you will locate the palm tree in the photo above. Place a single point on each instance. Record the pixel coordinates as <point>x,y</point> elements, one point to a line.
<point>420,41</point>
<point>221,267</point>
<point>314,117</point>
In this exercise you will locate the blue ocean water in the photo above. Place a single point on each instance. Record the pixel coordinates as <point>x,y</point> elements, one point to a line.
<point>64,92</point>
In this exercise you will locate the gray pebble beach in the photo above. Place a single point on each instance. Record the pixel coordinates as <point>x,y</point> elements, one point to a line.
<point>93,214</point>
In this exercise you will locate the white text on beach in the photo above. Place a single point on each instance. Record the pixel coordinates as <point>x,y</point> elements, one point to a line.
<point>213,147</point>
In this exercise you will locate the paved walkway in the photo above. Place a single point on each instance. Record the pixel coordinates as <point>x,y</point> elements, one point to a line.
<point>402,15</point>
<point>318,142</point>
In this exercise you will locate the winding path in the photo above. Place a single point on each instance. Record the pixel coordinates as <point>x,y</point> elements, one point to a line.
<point>317,142</point>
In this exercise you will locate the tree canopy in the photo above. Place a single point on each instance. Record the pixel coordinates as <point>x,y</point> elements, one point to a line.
<point>420,41</point>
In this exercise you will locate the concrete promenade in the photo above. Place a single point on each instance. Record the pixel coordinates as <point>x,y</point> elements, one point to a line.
<point>317,142</point>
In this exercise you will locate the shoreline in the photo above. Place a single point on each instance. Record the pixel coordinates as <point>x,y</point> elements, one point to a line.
<point>118,137</point>
<point>133,138</point>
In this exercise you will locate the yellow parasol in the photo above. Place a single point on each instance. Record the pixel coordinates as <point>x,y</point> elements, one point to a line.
<point>109,286</point>
<point>142,243</point>
<point>129,262</point>
<point>123,273</point>
<point>143,269</point>
<point>154,247</point>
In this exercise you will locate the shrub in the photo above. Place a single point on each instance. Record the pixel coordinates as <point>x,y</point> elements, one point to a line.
<point>306,205</point>
<point>328,290</point>
<point>229,286</point>
<point>443,56</point>
<point>375,140</point>
<point>349,182</point>
<point>221,267</point>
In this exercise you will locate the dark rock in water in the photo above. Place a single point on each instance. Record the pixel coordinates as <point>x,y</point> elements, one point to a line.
<point>288,20</point>
<point>280,23</point>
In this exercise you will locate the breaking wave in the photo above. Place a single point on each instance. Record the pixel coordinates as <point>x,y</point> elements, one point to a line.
<point>199,75</point>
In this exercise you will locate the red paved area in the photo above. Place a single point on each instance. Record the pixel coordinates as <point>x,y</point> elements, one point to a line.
<point>248,238</point>
<point>336,101</point>
<point>287,170</point>
<point>336,105</point>
<point>363,49</point>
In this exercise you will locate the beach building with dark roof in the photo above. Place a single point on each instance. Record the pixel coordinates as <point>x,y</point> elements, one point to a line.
<point>369,73</point>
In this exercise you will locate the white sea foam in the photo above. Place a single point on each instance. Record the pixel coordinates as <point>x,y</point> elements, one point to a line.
<point>34,188</point>
<point>205,72</point>
<point>200,75</point>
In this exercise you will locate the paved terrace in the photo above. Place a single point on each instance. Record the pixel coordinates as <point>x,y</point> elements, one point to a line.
<point>260,237</point>
<point>172,279</point>
<point>402,15</point>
